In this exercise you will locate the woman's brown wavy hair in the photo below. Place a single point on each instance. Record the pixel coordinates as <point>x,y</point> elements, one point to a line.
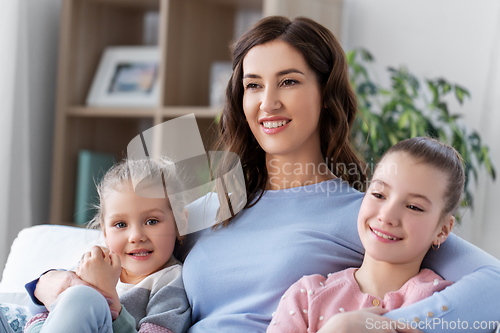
<point>326,58</point>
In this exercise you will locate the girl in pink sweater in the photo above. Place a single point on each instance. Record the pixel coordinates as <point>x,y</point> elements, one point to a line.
<point>407,209</point>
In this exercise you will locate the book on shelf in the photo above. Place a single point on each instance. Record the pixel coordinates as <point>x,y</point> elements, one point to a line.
<point>91,168</point>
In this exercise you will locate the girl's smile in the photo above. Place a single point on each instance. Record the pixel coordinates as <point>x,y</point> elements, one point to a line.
<point>384,236</point>
<point>140,254</point>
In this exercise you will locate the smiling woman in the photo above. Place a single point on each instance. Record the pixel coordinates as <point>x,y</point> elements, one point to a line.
<point>289,105</point>
<point>284,73</point>
<point>282,95</point>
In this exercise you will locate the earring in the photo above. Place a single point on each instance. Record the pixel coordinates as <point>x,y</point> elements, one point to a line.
<point>435,247</point>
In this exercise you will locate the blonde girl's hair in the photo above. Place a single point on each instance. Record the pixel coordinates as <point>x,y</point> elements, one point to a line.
<point>150,178</point>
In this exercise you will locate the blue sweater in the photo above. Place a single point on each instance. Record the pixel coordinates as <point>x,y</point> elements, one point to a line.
<point>235,276</point>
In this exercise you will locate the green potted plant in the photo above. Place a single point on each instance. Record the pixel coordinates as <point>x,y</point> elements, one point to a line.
<point>411,107</point>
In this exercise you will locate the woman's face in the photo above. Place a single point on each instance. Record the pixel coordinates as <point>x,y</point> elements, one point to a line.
<point>281,100</point>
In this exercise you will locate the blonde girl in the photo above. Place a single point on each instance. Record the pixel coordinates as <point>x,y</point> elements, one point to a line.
<point>137,271</point>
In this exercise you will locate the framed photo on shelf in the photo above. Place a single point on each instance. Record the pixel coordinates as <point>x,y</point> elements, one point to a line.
<point>220,73</point>
<point>126,76</point>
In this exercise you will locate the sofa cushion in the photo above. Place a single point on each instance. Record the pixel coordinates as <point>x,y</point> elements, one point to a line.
<point>39,248</point>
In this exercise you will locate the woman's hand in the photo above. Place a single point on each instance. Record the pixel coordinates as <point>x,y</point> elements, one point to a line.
<point>366,320</point>
<point>52,283</point>
<point>102,270</point>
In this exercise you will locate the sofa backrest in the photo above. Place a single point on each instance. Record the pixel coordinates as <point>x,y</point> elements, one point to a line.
<point>42,247</point>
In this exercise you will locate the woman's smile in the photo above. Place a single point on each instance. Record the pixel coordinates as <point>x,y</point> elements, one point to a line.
<point>282,101</point>
<point>273,125</point>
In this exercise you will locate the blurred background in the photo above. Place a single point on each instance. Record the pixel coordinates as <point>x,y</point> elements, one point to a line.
<point>50,51</point>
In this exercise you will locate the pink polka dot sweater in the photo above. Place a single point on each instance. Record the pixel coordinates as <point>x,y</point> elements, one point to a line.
<point>311,301</point>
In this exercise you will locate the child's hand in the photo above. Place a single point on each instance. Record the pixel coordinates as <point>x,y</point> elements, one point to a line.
<point>101,269</point>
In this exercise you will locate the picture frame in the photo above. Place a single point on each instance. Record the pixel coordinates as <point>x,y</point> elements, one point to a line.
<point>220,73</point>
<point>127,76</point>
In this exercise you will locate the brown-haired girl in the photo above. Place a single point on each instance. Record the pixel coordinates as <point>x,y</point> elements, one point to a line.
<point>408,208</point>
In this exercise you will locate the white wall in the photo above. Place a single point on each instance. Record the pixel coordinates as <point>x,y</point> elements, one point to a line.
<point>455,39</point>
<point>29,31</point>
<point>8,30</point>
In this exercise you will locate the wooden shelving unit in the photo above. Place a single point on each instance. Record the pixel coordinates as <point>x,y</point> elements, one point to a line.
<point>192,35</point>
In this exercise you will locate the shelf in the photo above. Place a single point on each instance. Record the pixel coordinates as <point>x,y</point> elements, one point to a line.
<point>106,112</point>
<point>143,4</point>
<point>199,111</point>
<point>192,35</point>
<point>242,4</point>
<point>165,112</point>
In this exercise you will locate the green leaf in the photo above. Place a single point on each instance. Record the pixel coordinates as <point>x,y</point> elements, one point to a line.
<point>351,55</point>
<point>367,88</point>
<point>469,199</point>
<point>441,82</point>
<point>460,93</point>
<point>403,120</point>
<point>434,90</point>
<point>367,56</point>
<point>487,162</point>
<point>414,83</point>
<point>401,110</point>
<point>392,139</point>
<point>446,87</point>
<point>443,107</point>
<point>385,92</point>
<point>413,129</point>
